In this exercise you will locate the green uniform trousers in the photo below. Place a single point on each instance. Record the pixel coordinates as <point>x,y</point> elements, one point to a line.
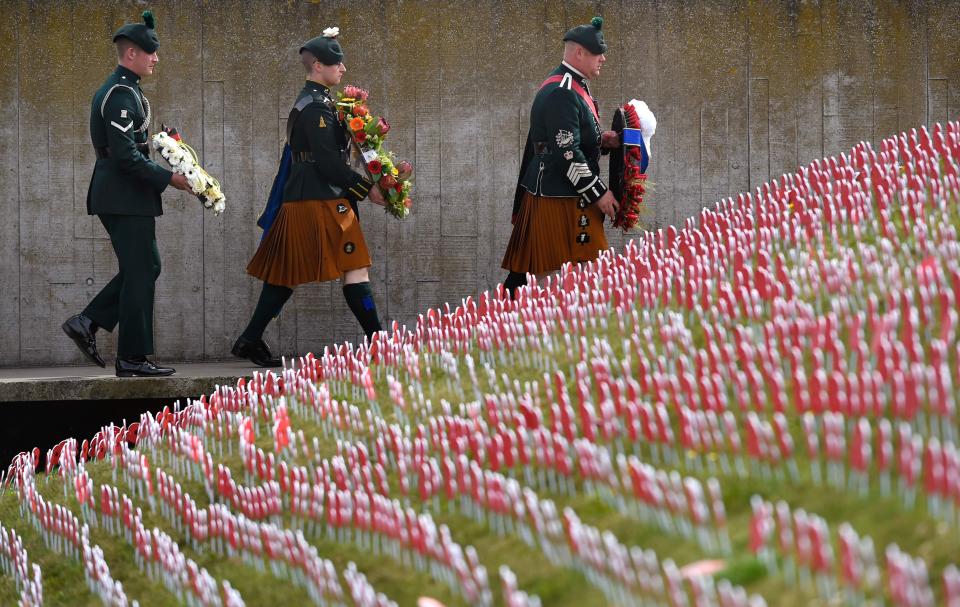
<point>128,297</point>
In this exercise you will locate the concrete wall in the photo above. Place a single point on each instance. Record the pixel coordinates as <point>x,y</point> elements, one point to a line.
<point>743,92</point>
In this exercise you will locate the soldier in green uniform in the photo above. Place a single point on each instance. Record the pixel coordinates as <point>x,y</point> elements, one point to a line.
<point>316,235</point>
<point>125,194</point>
<point>560,199</point>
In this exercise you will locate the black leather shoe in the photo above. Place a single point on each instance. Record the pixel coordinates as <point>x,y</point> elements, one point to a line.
<point>141,368</point>
<point>256,352</point>
<point>82,331</point>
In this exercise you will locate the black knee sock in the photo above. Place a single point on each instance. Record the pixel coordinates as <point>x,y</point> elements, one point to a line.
<point>359,297</point>
<point>271,301</point>
<point>514,281</point>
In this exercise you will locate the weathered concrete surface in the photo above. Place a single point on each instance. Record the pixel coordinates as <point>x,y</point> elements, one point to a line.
<point>93,383</point>
<point>743,90</point>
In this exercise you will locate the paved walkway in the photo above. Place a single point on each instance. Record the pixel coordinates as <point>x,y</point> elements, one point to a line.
<point>93,383</point>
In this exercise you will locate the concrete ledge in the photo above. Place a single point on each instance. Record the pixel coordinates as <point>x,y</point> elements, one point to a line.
<point>93,383</point>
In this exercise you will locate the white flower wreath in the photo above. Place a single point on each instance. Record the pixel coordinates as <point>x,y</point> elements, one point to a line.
<point>183,160</point>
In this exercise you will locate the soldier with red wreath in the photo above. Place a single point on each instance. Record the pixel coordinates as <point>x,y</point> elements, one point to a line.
<point>561,200</point>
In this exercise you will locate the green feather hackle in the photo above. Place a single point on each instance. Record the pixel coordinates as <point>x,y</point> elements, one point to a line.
<point>597,22</point>
<point>148,19</point>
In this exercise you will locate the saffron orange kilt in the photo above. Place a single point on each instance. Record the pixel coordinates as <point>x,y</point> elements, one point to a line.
<point>548,232</point>
<point>310,241</point>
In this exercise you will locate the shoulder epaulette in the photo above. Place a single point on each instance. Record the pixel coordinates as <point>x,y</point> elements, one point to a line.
<point>303,102</point>
<point>103,104</point>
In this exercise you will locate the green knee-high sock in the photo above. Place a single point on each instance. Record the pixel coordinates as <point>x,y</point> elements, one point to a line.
<point>514,281</point>
<point>271,301</point>
<point>359,297</point>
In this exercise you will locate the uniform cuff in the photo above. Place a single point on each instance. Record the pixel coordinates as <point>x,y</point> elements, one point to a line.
<point>593,191</point>
<point>163,178</point>
<point>588,184</point>
<point>359,190</point>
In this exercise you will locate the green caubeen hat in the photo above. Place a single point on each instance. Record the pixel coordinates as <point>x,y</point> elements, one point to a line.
<point>589,36</point>
<point>326,48</point>
<point>142,34</point>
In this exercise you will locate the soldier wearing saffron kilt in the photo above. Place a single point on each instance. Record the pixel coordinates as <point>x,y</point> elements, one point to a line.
<point>316,235</point>
<point>560,199</point>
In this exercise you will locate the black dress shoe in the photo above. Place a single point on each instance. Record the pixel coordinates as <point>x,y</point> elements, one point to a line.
<point>82,331</point>
<point>256,352</point>
<point>141,368</point>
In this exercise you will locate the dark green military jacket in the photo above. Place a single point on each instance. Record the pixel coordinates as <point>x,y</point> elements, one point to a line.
<point>562,154</point>
<point>318,141</point>
<point>125,181</point>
